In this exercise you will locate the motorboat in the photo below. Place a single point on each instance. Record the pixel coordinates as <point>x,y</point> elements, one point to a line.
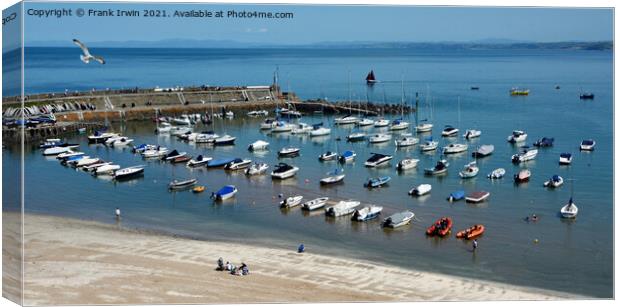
<point>99,137</point>
<point>347,156</point>
<point>471,232</point>
<point>123,141</point>
<point>483,151</point>
<point>224,140</point>
<point>177,130</point>
<point>55,151</point>
<point>382,122</point>
<point>238,164</point>
<point>258,145</point>
<point>206,138</point>
<point>522,176</point>
<point>334,177</point>
<point>440,228</point>
<point>346,120</point>
<point>49,143</point>
<point>224,193</point>
<point>405,140</point>
<point>570,210</point>
<point>94,166</point>
<point>199,161</point>
<point>526,154</point>
<point>399,124</point>
<point>109,169</point>
<point>343,207</point>
<point>454,148</point>
<point>319,130</point>
<point>328,156</point>
<point>440,168</point>
<point>365,122</point>
<point>86,162</point>
<point>517,136</point>
<point>587,145</point>
<point>188,136</point>
<point>407,163</point>
<point>470,170</point>
<point>379,138</point>
<point>181,159</point>
<point>398,219</point>
<point>554,182</point>
<point>163,128</point>
<point>288,152</point>
<point>456,196</point>
<point>69,154</point>
<point>291,202</point>
<point>183,120</point>
<point>128,172</point>
<point>544,142</point>
<point>429,145</point>
<point>268,124</point>
<point>471,133</point>
<point>377,182</point>
<point>423,127</point>
<point>367,213</point>
<point>497,173</point>
<point>213,163</point>
<point>420,190</point>
<point>449,131</point>
<point>181,184</point>
<point>566,158</point>
<point>155,153</point>
<point>282,127</point>
<point>477,196</point>
<point>301,128</point>
<point>142,148</point>
<point>258,113</point>
<point>377,159</point>
<point>586,96</point>
<point>315,204</point>
<point>71,160</point>
<point>257,169</point>
<point>173,155</point>
<point>356,137</point>
<point>283,171</point>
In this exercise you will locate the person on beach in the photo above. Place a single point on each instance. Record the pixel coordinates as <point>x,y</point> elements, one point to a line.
<point>475,244</point>
<point>229,266</point>
<point>117,212</point>
<point>301,248</point>
<point>220,264</point>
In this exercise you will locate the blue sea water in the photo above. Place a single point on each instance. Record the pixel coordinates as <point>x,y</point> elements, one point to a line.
<point>573,256</point>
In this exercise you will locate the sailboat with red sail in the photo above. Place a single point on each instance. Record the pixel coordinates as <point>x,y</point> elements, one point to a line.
<point>370,78</point>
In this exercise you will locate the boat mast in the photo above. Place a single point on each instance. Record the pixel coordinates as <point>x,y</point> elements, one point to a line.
<point>349,89</point>
<point>402,95</point>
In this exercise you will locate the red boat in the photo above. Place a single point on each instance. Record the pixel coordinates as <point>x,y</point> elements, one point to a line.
<point>370,78</point>
<point>181,159</point>
<point>471,232</point>
<point>440,228</point>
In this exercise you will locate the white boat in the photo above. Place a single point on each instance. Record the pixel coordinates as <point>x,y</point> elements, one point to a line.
<point>471,133</point>
<point>398,124</point>
<point>292,201</point>
<point>123,141</point>
<point>163,128</point>
<point>100,137</point>
<point>470,170</point>
<point>155,153</point>
<point>320,131</point>
<point>477,196</point>
<point>424,127</point>
<point>206,138</point>
<point>224,193</point>
<point>454,148</point>
<point>483,151</point>
<point>257,169</point>
<point>517,136</point>
<point>289,152</point>
<point>343,207</point>
<point>173,155</point>
<point>407,163</point>
<point>128,172</point>
<point>107,169</point>
<point>566,158</point>
<point>258,145</point>
<point>429,145</point>
<point>54,151</point>
<point>328,156</point>
<point>347,156</point>
<point>69,154</point>
<point>229,114</point>
<point>258,113</point>
<point>181,184</point>
<point>420,190</point>
<point>449,131</point>
<point>406,140</point>
<point>526,154</point>
<point>367,213</point>
<point>268,124</point>
<point>315,204</point>
<point>440,167</point>
<point>183,120</point>
<point>570,210</point>
<point>301,128</point>
<point>238,164</point>
<point>497,173</point>
<point>199,161</point>
<point>587,145</point>
<point>283,171</point>
<point>86,162</point>
<point>335,177</point>
<point>346,120</point>
<point>377,160</point>
<point>398,219</point>
<point>356,137</point>
<point>365,122</point>
<point>282,127</point>
<point>554,182</point>
<point>224,140</point>
<point>176,131</point>
<point>382,122</point>
<point>92,167</point>
<point>379,138</point>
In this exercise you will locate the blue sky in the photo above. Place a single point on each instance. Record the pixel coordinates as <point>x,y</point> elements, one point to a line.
<point>333,23</point>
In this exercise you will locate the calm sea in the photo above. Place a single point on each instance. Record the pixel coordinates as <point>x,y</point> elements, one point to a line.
<point>572,256</point>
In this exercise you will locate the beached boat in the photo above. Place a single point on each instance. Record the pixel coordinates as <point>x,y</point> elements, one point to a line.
<point>398,219</point>
<point>219,162</point>
<point>429,145</point>
<point>377,182</point>
<point>544,142</point>
<point>405,140</point>
<point>346,120</point>
<point>497,173</point>
<point>522,176</point>
<point>106,169</point>
<point>224,140</point>
<point>288,152</point>
<point>440,168</point>
<point>347,156</point>
<point>377,160</point>
<point>570,210</point>
<point>454,148</point>
<point>328,156</point>
<point>128,172</point>
<point>471,133</point>
<point>283,171</point>
<point>382,122</point>
<point>399,124</point>
<point>517,136</point>
<point>237,164</point>
<point>471,232</point>
<point>257,169</point>
<point>554,182</point>
<point>420,190</point>
<point>407,163</point>
<point>182,184</point>
<point>470,170</point>
<point>343,207</point>
<point>258,145</point>
<point>449,131</point>
<point>291,202</point>
<point>526,154</point>
<point>456,196</point>
<point>356,137</point>
<point>477,196</point>
<point>334,177</point>
<point>379,138</point>
<point>224,193</point>
<point>483,151</point>
<point>367,213</point>
<point>315,204</point>
<point>587,145</point>
<point>199,161</point>
<point>440,228</point>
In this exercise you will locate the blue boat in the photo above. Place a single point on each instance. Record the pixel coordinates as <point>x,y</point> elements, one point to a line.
<point>377,182</point>
<point>347,156</point>
<point>456,195</point>
<point>224,193</point>
<point>220,162</point>
<point>544,142</point>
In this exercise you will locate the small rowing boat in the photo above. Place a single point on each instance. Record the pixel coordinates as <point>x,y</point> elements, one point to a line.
<point>471,232</point>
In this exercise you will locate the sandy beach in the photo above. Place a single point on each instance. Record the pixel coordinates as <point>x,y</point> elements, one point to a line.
<point>80,262</point>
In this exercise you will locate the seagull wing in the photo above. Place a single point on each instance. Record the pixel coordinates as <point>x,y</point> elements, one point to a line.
<point>99,59</point>
<point>83,47</point>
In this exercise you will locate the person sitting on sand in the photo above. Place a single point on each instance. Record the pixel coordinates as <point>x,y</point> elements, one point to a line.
<point>229,266</point>
<point>220,264</point>
<point>244,269</point>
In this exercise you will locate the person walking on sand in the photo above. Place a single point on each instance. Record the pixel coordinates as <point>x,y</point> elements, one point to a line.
<point>475,244</point>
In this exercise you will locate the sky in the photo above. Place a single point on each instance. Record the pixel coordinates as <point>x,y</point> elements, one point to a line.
<point>312,24</point>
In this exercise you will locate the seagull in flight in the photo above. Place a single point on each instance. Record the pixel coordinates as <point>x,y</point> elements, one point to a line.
<point>86,56</point>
